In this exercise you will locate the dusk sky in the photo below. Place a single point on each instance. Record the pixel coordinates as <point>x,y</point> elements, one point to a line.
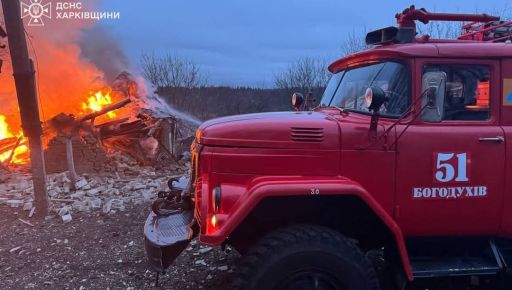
<point>246,42</point>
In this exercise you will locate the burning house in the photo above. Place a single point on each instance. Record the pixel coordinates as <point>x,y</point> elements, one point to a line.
<point>120,117</point>
<point>119,149</point>
<point>12,145</point>
<point>107,142</point>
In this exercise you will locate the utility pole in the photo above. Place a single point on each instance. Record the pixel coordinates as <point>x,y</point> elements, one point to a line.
<point>24,77</point>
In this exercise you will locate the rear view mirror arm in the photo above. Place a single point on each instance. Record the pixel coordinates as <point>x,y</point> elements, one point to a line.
<point>407,126</point>
<point>409,110</point>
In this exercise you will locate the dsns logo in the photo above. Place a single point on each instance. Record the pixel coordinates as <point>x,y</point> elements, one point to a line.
<point>36,10</point>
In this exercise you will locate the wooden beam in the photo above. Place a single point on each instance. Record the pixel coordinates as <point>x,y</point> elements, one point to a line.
<point>11,146</point>
<point>112,123</point>
<point>71,162</point>
<point>11,156</point>
<point>7,141</point>
<point>104,111</point>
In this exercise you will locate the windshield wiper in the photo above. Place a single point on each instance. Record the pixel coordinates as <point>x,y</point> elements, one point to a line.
<point>342,110</point>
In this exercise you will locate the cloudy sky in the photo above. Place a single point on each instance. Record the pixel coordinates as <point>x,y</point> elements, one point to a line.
<point>245,42</point>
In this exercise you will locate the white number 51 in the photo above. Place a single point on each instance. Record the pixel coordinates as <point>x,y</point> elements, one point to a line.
<point>446,172</point>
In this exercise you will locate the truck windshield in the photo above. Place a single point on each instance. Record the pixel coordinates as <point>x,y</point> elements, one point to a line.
<point>346,89</point>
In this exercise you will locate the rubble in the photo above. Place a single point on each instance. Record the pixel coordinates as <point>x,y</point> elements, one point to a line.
<point>85,252</point>
<point>113,165</point>
<point>204,250</point>
<point>26,222</point>
<point>14,202</point>
<point>81,183</point>
<point>106,192</point>
<point>144,129</point>
<point>27,206</point>
<point>64,210</point>
<point>181,183</point>
<point>14,249</point>
<point>67,218</point>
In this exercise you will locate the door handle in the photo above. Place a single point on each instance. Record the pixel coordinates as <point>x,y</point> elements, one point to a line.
<point>497,139</point>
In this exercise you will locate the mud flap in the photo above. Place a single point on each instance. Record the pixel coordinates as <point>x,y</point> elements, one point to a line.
<point>165,237</point>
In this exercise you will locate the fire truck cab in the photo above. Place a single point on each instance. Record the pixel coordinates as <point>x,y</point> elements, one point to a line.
<point>406,158</point>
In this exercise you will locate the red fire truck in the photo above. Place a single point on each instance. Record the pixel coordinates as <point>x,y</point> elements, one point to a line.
<point>407,154</point>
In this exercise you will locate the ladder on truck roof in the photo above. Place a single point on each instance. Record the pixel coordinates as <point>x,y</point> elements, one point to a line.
<point>482,27</point>
<point>493,31</point>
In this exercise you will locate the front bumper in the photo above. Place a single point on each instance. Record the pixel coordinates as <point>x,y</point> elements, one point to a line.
<point>165,237</point>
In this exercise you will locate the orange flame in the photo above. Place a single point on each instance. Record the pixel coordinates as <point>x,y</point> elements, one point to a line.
<point>20,153</point>
<point>97,101</point>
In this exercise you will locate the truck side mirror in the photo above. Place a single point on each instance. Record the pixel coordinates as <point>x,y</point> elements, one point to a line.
<point>434,88</point>
<point>297,101</point>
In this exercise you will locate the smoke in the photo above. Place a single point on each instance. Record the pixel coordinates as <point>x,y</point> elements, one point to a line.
<point>159,107</point>
<point>99,46</point>
<point>72,59</point>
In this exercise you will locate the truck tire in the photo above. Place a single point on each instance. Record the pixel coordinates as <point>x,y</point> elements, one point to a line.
<point>305,257</point>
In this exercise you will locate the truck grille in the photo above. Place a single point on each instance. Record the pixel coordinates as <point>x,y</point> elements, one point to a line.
<point>198,198</point>
<point>195,150</point>
<point>307,134</point>
<point>195,178</point>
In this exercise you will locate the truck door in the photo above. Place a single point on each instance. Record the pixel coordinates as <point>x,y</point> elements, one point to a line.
<point>506,123</point>
<point>450,174</point>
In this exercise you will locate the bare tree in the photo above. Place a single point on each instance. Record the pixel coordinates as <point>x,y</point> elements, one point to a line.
<point>435,29</point>
<point>453,29</point>
<point>355,42</point>
<point>440,29</point>
<point>305,74</point>
<point>171,71</point>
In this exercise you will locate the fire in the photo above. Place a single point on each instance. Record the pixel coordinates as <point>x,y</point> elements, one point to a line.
<point>20,154</point>
<point>97,101</point>
<point>4,128</point>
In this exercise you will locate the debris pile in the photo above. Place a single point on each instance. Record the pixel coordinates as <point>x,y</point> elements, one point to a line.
<point>144,130</point>
<point>104,166</point>
<point>121,117</point>
<point>16,191</point>
<point>107,193</point>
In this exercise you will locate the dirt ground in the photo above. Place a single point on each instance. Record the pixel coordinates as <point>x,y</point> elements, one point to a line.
<point>106,251</point>
<point>97,251</point>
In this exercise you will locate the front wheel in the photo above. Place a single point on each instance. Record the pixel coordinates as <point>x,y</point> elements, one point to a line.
<point>304,257</point>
